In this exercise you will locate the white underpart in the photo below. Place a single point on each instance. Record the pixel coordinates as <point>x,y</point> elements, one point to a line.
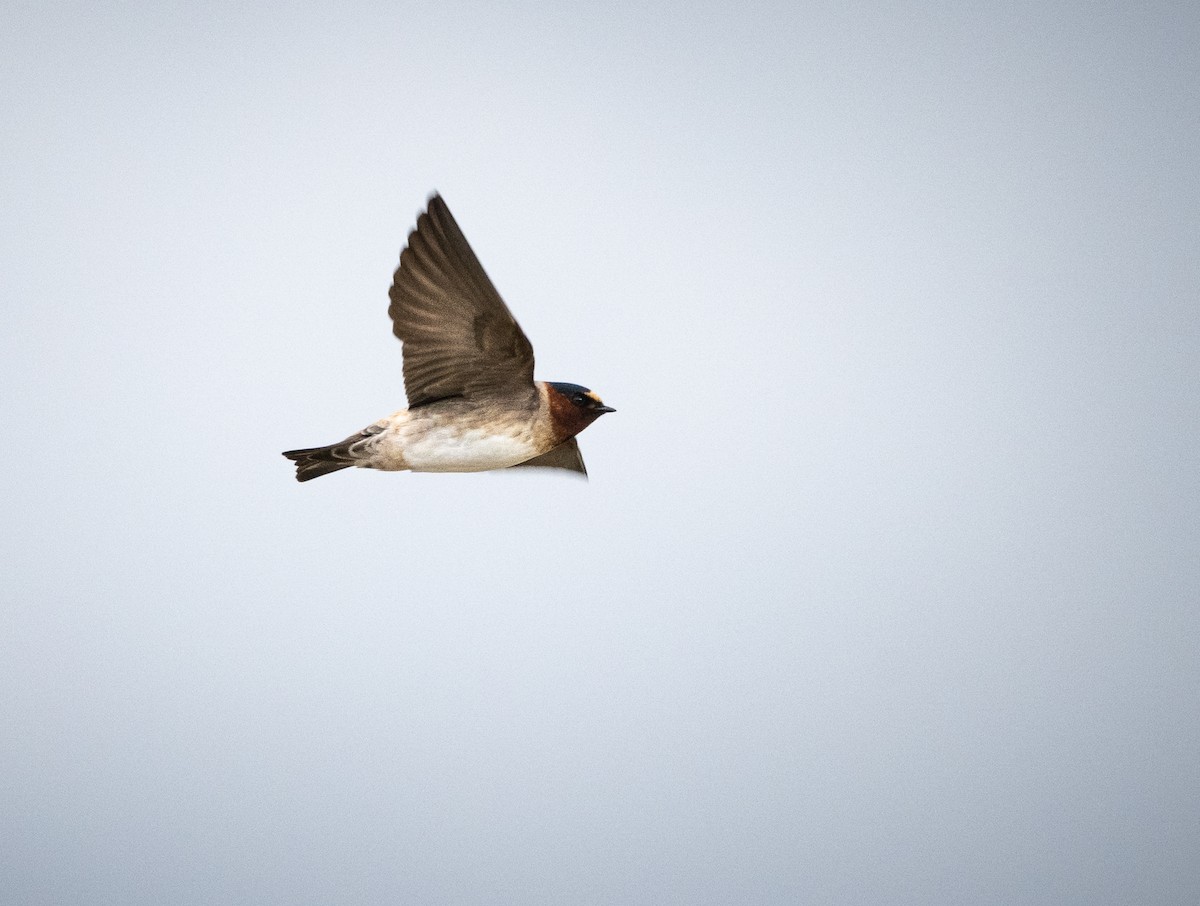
<point>454,450</point>
<point>449,448</point>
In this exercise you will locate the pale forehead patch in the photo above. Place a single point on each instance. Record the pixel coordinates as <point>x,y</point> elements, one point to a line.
<point>595,399</point>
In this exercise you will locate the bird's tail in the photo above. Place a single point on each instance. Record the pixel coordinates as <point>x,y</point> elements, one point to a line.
<point>317,461</point>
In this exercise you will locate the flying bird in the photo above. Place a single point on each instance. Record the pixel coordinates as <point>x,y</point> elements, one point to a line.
<point>473,404</point>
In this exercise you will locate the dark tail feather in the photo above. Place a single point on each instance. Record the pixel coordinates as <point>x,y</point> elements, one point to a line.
<point>317,461</point>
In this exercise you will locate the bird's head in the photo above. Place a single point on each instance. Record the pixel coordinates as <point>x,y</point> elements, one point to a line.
<point>573,407</point>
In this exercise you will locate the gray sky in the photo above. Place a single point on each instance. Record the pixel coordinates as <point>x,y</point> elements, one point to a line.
<point>885,587</point>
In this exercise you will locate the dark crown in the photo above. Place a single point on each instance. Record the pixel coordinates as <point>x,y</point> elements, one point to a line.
<point>567,389</point>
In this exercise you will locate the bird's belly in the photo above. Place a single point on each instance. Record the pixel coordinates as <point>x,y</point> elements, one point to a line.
<point>450,449</point>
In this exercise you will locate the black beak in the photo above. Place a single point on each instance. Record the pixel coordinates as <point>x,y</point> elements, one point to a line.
<point>600,410</point>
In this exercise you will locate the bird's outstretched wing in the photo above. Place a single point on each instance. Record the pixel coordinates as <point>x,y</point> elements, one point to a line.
<point>565,456</point>
<point>459,337</point>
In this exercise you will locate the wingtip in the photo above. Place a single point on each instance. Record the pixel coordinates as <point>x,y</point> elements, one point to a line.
<point>436,211</point>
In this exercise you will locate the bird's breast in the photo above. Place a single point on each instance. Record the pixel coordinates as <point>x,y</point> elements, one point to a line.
<point>468,448</point>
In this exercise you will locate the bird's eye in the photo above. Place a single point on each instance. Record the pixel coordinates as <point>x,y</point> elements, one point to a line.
<point>579,399</point>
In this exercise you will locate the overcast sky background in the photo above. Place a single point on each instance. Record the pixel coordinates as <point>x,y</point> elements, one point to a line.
<point>885,586</point>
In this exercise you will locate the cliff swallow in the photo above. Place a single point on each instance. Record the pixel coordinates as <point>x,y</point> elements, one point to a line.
<point>473,404</point>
